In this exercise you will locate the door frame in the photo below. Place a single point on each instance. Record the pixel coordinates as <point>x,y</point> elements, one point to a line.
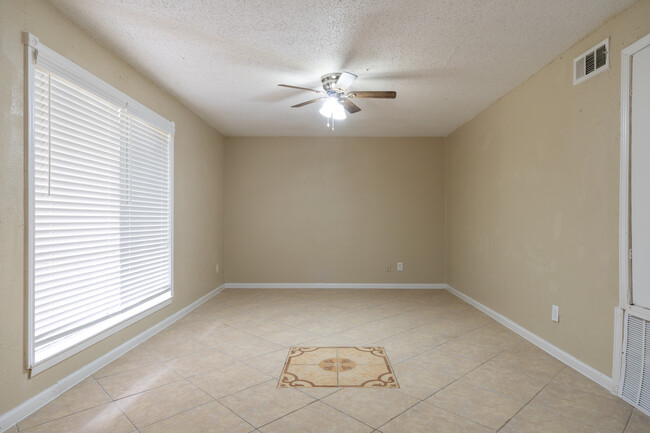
<point>625,260</point>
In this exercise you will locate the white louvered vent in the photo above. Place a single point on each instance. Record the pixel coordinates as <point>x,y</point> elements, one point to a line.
<point>591,63</point>
<point>636,376</point>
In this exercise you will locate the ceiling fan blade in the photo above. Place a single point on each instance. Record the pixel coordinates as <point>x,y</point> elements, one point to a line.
<point>300,88</point>
<point>302,104</point>
<point>373,94</point>
<point>350,106</point>
<point>345,80</point>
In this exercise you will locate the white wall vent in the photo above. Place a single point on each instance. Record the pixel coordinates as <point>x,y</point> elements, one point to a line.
<point>591,63</point>
<point>635,386</point>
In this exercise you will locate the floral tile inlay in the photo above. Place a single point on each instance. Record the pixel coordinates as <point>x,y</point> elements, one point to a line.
<point>315,367</point>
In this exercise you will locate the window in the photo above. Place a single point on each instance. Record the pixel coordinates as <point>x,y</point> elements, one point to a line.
<point>99,208</point>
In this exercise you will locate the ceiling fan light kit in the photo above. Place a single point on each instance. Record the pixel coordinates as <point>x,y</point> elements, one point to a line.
<point>336,99</point>
<point>332,108</point>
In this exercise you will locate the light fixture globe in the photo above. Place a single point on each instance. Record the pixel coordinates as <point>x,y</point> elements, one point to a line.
<point>332,108</point>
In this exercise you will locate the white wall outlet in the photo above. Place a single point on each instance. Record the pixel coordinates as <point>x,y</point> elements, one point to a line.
<point>217,269</point>
<point>555,313</point>
<point>400,266</point>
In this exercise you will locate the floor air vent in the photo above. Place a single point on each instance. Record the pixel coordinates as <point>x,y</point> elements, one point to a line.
<point>636,374</point>
<point>591,63</point>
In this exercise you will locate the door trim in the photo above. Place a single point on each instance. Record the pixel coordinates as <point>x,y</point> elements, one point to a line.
<point>624,293</point>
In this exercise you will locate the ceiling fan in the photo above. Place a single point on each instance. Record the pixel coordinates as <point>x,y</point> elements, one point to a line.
<point>336,97</point>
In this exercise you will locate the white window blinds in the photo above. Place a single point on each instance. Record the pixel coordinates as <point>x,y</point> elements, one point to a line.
<point>100,207</point>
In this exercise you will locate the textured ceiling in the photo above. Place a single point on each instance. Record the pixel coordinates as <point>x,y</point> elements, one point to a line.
<point>447,59</point>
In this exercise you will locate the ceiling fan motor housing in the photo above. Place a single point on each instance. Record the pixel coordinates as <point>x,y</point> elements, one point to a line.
<point>329,80</point>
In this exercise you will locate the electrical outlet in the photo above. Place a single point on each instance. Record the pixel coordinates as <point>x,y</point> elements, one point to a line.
<point>400,266</point>
<point>217,269</point>
<point>389,268</point>
<point>555,313</point>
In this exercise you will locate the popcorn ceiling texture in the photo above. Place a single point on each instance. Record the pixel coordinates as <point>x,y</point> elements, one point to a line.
<point>448,60</point>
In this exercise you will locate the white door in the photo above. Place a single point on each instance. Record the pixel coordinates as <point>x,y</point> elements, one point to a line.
<point>640,177</point>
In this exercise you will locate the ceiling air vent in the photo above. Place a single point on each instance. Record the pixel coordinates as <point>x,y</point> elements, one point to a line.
<point>591,63</point>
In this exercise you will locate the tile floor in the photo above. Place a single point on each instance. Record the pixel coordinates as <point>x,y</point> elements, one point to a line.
<point>217,370</point>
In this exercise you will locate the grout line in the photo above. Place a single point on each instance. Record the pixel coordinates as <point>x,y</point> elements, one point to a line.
<point>115,404</point>
<point>156,361</point>
<point>533,397</point>
<point>68,415</point>
<point>348,415</point>
<point>72,413</point>
<point>183,411</point>
<point>629,418</point>
<point>287,414</point>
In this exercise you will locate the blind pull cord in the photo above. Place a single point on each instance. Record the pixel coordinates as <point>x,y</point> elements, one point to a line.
<point>49,135</point>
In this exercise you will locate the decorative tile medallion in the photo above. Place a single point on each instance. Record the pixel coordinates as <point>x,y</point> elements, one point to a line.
<point>315,367</point>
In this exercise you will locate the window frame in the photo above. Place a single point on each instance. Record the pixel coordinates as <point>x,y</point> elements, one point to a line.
<point>35,51</point>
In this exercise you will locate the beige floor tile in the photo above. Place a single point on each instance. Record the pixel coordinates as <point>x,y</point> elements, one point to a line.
<point>369,376</point>
<point>160,403</point>
<point>421,337</point>
<point>135,358</point>
<point>497,335</point>
<point>574,380</point>
<point>529,360</point>
<point>195,326</point>
<point>471,348</point>
<point>316,418</point>
<point>199,362</point>
<point>271,363</point>
<point>265,402</point>
<point>320,342</point>
<point>584,407</point>
<point>222,336</point>
<point>419,381</point>
<point>483,407</point>
<point>531,420</point>
<point>171,344</point>
<point>222,382</point>
<point>639,423</point>
<point>444,363</point>
<point>391,325</point>
<point>374,407</point>
<point>319,393</point>
<point>447,327</point>
<point>257,325</point>
<point>209,418</point>
<point>424,315</point>
<point>101,419</point>
<point>399,350</point>
<point>82,396</point>
<point>133,381</point>
<point>510,383</point>
<point>426,418</point>
<point>356,337</point>
<point>308,375</point>
<point>289,337</point>
<point>249,348</point>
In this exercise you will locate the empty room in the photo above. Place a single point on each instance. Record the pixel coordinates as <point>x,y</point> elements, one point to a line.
<point>329,216</point>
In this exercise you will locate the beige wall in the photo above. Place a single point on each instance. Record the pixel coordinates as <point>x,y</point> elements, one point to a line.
<point>532,200</point>
<point>198,190</point>
<point>335,210</point>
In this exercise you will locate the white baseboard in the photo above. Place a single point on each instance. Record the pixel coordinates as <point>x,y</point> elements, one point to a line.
<point>332,286</point>
<point>570,360</point>
<point>8,419</point>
